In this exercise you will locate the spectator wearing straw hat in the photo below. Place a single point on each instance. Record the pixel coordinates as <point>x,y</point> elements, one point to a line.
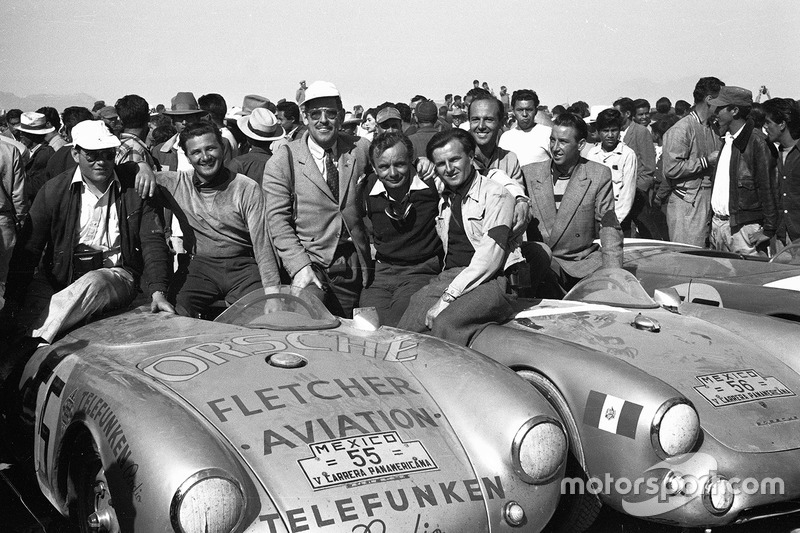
<point>32,130</point>
<point>262,128</point>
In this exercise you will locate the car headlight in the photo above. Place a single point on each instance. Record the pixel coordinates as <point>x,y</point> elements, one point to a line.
<point>210,501</point>
<point>718,494</point>
<point>675,428</point>
<point>539,449</point>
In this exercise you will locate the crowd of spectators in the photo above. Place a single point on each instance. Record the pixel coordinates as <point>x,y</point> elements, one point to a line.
<point>420,209</point>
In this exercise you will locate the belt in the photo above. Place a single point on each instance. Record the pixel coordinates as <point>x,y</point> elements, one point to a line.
<point>722,217</point>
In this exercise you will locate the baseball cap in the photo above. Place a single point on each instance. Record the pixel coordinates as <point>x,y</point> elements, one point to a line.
<point>427,111</point>
<point>730,95</point>
<point>387,113</point>
<point>93,135</point>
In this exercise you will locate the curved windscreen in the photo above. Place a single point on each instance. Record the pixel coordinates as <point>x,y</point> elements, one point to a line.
<point>788,256</point>
<point>282,308</point>
<point>612,286</point>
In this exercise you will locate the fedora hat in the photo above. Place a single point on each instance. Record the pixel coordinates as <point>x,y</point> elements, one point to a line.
<point>261,125</point>
<point>184,104</point>
<point>34,123</point>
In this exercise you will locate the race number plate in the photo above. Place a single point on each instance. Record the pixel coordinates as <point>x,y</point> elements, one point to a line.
<point>353,459</point>
<point>740,386</point>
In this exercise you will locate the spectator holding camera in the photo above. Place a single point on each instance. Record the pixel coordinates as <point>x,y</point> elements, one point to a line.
<point>98,237</point>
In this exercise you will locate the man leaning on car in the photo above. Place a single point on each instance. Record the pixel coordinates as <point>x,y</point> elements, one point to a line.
<point>98,237</point>
<point>224,223</point>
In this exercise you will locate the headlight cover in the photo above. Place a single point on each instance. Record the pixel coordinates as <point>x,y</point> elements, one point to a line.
<point>539,449</point>
<point>675,428</point>
<point>718,495</point>
<point>210,501</point>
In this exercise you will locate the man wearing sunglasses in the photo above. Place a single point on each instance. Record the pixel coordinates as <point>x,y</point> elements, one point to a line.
<point>98,237</point>
<point>313,187</point>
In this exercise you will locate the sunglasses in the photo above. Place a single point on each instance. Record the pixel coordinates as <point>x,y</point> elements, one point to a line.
<point>93,156</point>
<point>330,114</point>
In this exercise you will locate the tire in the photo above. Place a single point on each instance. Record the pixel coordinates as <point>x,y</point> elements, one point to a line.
<point>575,512</point>
<point>86,474</point>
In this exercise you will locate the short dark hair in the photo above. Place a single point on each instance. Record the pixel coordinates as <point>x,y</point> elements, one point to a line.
<point>640,103</point>
<point>290,111</point>
<point>501,112</point>
<point>558,109</point>
<point>784,110</point>
<point>404,110</point>
<point>660,127</point>
<point>13,113</point>
<point>444,137</point>
<point>419,97</point>
<point>757,115</point>
<point>75,114</point>
<point>198,129</point>
<point>663,105</point>
<point>163,132</point>
<point>475,81</point>
<point>571,120</point>
<point>682,107</point>
<point>625,105</point>
<point>580,108</point>
<point>525,94</point>
<point>371,112</point>
<point>609,118</point>
<point>477,92</point>
<point>51,114</point>
<point>388,139</point>
<point>448,96</point>
<point>214,104</point>
<point>133,111</point>
<point>708,86</point>
<point>98,105</point>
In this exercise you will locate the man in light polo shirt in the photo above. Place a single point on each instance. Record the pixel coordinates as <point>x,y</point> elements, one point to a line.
<point>742,198</point>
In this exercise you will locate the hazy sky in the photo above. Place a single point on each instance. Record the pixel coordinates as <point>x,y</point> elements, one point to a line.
<point>386,50</point>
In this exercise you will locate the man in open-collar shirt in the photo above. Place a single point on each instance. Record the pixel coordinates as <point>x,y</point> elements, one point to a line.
<point>476,216</point>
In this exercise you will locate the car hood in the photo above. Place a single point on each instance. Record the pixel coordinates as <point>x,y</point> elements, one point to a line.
<point>333,425</point>
<point>687,265</point>
<point>702,360</point>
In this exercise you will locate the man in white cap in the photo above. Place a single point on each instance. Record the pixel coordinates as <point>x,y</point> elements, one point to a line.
<point>31,130</point>
<point>98,237</point>
<point>261,127</point>
<point>313,188</point>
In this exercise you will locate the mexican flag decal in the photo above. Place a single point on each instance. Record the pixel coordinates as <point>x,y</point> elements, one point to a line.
<point>612,414</point>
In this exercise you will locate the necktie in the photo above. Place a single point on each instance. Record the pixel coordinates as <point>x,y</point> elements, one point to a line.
<point>333,173</point>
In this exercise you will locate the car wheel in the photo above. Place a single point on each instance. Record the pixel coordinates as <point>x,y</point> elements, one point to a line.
<point>94,509</point>
<point>575,512</point>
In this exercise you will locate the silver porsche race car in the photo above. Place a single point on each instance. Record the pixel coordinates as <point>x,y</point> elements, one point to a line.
<point>676,412</point>
<point>278,416</point>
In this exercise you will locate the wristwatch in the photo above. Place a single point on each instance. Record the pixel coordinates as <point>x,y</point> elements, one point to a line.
<point>448,298</point>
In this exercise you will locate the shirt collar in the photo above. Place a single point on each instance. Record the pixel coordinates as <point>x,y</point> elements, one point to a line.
<point>737,132</point>
<point>219,179</point>
<point>598,148</point>
<point>318,152</point>
<point>416,185</point>
<point>77,177</point>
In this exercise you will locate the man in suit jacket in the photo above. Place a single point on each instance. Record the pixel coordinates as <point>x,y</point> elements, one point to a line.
<point>569,197</point>
<point>313,187</point>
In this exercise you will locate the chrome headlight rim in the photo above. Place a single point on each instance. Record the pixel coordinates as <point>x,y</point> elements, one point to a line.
<point>516,447</point>
<point>191,481</point>
<point>707,502</point>
<point>655,427</point>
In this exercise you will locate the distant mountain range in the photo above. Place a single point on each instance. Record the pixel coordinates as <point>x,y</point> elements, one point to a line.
<point>35,101</point>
